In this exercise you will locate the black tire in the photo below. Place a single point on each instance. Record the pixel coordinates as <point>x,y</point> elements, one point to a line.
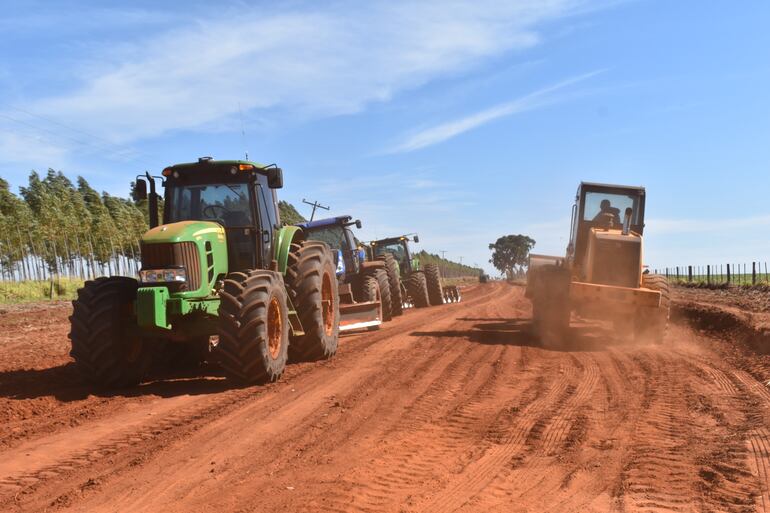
<point>368,290</point>
<point>312,284</point>
<point>385,293</point>
<point>394,279</point>
<point>253,326</point>
<point>417,286</point>
<point>106,343</point>
<point>435,290</point>
<point>551,307</point>
<point>651,324</point>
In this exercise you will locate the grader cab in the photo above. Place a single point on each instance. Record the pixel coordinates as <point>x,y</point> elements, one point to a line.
<point>602,275</point>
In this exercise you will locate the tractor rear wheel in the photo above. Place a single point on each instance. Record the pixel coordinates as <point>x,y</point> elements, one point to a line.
<point>394,278</point>
<point>312,284</point>
<point>253,326</point>
<point>417,286</point>
<point>651,324</point>
<point>435,290</point>
<point>106,345</point>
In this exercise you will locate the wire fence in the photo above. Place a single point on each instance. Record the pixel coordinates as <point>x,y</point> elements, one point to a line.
<point>752,273</point>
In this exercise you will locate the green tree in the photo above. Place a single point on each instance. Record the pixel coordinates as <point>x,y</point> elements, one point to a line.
<point>289,214</point>
<point>510,252</point>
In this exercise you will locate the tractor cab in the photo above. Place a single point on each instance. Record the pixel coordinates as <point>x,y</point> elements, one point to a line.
<point>606,234</point>
<point>337,234</point>
<point>238,195</point>
<point>399,248</point>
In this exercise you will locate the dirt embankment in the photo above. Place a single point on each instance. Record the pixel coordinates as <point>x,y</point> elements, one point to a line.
<point>451,408</point>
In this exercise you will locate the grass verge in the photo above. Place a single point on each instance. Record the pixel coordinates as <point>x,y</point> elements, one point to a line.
<point>24,291</point>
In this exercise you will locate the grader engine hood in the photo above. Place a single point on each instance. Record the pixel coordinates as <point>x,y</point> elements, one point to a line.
<point>199,248</point>
<point>613,258</point>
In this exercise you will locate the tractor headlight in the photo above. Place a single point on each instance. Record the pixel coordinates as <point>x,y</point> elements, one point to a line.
<point>340,263</point>
<point>163,275</point>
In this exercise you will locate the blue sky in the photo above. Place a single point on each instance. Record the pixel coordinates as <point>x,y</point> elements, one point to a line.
<point>462,121</point>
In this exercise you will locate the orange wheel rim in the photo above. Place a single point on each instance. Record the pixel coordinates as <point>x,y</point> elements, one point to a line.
<point>327,303</point>
<point>274,328</point>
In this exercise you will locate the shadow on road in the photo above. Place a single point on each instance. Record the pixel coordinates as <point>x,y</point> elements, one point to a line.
<point>65,383</point>
<point>582,336</point>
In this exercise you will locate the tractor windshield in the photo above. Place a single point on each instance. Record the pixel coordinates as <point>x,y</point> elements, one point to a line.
<point>396,248</point>
<point>226,204</point>
<point>332,235</point>
<point>598,204</point>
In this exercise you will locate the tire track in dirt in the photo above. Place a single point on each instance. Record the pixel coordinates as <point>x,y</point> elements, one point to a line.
<point>447,414</point>
<point>527,426</point>
<point>657,474</point>
<point>57,454</point>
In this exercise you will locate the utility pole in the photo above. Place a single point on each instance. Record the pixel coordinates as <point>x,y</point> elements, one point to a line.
<point>315,205</point>
<point>443,254</point>
<point>461,260</point>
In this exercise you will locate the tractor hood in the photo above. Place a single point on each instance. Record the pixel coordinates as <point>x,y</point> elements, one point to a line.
<point>184,231</point>
<point>200,247</point>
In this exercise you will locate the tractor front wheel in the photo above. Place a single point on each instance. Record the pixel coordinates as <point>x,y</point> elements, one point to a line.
<point>394,279</point>
<point>312,284</point>
<point>418,289</point>
<point>435,290</point>
<point>253,326</point>
<point>651,324</point>
<point>385,293</point>
<point>106,344</point>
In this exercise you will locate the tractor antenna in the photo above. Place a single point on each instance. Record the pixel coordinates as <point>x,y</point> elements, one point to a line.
<point>315,205</point>
<point>243,132</point>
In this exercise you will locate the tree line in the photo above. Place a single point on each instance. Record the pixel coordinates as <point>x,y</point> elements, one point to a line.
<point>56,227</point>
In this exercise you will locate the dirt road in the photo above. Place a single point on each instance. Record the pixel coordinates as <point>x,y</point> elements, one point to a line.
<point>444,409</point>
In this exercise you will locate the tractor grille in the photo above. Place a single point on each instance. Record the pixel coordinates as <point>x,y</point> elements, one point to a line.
<point>616,263</point>
<point>174,254</point>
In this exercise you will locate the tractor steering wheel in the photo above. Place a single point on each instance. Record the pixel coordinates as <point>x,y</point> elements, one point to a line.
<point>209,212</point>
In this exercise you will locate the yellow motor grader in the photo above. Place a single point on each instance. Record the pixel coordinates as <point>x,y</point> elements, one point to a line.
<point>602,275</point>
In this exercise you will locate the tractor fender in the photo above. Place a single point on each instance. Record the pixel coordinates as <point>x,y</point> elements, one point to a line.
<point>376,264</point>
<point>287,236</point>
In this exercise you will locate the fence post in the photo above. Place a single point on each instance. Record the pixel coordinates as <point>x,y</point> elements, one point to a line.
<point>753,273</point>
<point>728,274</point>
<point>689,273</point>
<point>708,274</point>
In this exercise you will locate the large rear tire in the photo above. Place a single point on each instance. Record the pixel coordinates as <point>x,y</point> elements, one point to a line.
<point>394,279</point>
<point>312,284</point>
<point>651,324</point>
<point>253,326</point>
<point>435,289</point>
<point>418,289</point>
<point>106,344</point>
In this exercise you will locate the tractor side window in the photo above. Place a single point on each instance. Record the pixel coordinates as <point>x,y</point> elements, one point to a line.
<point>267,197</point>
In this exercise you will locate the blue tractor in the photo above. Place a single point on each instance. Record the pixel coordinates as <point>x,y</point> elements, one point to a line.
<point>366,298</point>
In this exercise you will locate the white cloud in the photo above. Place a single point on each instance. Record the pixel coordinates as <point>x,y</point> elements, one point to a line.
<point>312,61</point>
<point>448,130</point>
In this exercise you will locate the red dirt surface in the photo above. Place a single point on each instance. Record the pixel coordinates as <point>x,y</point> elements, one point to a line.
<point>451,408</point>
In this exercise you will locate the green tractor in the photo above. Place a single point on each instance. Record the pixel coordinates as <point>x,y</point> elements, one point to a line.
<point>418,287</point>
<point>220,277</point>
